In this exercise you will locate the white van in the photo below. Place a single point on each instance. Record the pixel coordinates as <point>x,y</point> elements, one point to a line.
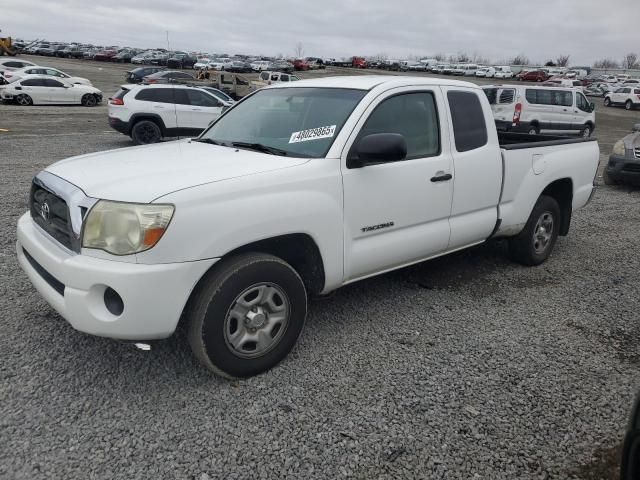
<point>470,70</point>
<point>269,78</point>
<point>503,71</point>
<point>539,109</point>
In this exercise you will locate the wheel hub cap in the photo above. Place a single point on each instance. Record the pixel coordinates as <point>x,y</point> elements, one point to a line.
<point>543,232</point>
<point>257,320</point>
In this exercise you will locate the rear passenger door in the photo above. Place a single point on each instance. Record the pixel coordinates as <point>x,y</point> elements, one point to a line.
<point>202,109</point>
<point>477,166</point>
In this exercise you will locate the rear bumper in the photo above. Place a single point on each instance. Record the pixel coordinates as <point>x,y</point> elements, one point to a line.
<point>624,168</point>
<point>153,296</point>
<point>120,125</point>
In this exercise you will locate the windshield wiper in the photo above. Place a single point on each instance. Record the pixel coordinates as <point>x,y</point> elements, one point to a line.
<point>207,140</point>
<point>259,147</point>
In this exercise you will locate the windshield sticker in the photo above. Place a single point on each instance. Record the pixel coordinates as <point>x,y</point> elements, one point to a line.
<point>313,134</point>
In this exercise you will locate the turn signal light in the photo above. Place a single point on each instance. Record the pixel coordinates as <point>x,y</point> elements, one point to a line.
<point>516,114</point>
<point>116,101</point>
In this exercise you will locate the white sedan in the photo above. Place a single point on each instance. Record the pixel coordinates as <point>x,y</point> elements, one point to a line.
<point>12,64</point>
<point>47,71</point>
<point>45,90</point>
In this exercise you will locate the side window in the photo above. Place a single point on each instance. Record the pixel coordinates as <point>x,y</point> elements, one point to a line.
<point>507,96</point>
<point>467,117</point>
<point>582,103</point>
<point>284,78</point>
<point>159,95</point>
<point>562,98</point>
<point>200,99</point>
<point>33,82</point>
<point>49,82</point>
<point>412,115</point>
<point>626,90</point>
<point>274,77</point>
<point>293,78</point>
<point>240,81</point>
<point>264,76</point>
<point>53,73</point>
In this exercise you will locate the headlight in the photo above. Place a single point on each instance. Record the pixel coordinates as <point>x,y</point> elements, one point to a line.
<point>618,148</point>
<point>125,228</point>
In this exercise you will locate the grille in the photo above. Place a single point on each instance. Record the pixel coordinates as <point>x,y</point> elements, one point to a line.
<point>636,152</point>
<point>51,213</point>
<point>631,167</point>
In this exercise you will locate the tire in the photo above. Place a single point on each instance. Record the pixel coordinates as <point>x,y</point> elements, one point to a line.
<point>145,132</point>
<point>586,131</point>
<point>628,105</point>
<point>89,100</point>
<point>534,244</point>
<point>533,130</point>
<point>607,179</point>
<point>607,102</point>
<point>258,288</point>
<point>24,100</point>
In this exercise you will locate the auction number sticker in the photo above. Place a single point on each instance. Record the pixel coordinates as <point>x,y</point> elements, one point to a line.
<point>313,134</point>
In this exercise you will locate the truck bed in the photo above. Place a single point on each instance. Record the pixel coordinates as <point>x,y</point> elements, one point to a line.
<point>530,163</point>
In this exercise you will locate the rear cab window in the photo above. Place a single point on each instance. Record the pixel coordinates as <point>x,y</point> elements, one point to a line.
<point>467,117</point>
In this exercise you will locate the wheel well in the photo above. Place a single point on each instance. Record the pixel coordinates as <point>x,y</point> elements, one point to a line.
<point>562,191</point>
<point>153,118</point>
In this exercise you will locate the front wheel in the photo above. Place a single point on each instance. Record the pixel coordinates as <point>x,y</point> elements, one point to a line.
<point>607,102</point>
<point>533,245</point>
<point>89,100</point>
<point>246,315</point>
<point>628,105</point>
<point>533,130</point>
<point>586,131</point>
<point>145,132</point>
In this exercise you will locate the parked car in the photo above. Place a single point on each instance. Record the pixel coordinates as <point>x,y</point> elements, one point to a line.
<point>46,90</point>
<point>624,161</point>
<point>315,63</point>
<point>281,66</point>
<point>238,67</point>
<point>181,60</point>
<point>168,76</point>
<point>137,74</point>
<point>147,113</point>
<point>70,51</point>
<point>220,63</point>
<point>260,65</point>
<point>105,55</point>
<point>486,72</point>
<point>536,109</point>
<point>610,79</point>
<point>629,97</point>
<point>533,76</point>
<point>563,82</point>
<point>300,64</point>
<point>125,56</point>
<point>48,71</point>
<point>267,78</point>
<point>447,69</point>
<point>202,63</point>
<point>632,82</point>
<point>503,71</point>
<point>630,461</point>
<point>597,90</point>
<point>13,64</point>
<point>470,70</point>
<point>458,70</point>
<point>195,230</point>
<point>233,84</point>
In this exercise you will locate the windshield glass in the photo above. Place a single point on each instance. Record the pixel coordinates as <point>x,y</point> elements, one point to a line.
<point>301,122</point>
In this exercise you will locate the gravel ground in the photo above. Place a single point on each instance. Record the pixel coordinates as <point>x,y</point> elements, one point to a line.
<point>464,367</point>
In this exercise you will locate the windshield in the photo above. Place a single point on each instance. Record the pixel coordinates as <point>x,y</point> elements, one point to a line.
<point>301,122</point>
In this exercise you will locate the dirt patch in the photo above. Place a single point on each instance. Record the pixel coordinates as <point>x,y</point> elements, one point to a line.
<point>604,465</point>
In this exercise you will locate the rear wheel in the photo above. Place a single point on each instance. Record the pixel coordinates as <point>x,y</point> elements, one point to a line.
<point>533,130</point>
<point>145,132</point>
<point>534,244</point>
<point>89,100</point>
<point>24,100</point>
<point>246,315</point>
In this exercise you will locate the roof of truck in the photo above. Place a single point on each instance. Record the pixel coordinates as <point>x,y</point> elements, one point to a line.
<point>368,82</point>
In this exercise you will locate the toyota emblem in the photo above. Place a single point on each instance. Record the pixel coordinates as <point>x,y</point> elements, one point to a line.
<point>44,211</point>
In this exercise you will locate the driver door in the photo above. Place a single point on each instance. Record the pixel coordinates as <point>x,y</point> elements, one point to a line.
<point>397,213</point>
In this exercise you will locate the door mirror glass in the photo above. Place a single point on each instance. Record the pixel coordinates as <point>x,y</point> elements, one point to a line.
<point>377,148</point>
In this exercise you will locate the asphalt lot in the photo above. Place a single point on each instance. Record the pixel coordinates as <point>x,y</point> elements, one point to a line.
<point>463,367</point>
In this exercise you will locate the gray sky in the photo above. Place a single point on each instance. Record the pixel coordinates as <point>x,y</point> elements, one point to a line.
<point>498,29</point>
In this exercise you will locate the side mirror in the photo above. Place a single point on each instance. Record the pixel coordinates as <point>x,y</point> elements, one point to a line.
<point>592,106</point>
<point>630,466</point>
<point>377,148</point>
<point>636,128</point>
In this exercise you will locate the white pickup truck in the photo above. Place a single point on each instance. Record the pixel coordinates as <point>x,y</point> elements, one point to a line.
<point>295,191</point>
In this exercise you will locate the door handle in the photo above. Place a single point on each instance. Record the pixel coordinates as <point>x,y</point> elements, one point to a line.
<point>196,109</point>
<point>442,178</point>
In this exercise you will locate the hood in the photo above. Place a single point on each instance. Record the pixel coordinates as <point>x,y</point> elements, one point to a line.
<point>144,173</point>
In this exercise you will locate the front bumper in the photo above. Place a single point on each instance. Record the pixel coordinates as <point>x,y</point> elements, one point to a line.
<point>624,168</point>
<point>153,296</point>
